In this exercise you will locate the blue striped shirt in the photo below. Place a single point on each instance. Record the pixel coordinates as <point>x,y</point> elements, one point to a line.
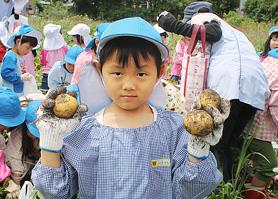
<point>148,162</point>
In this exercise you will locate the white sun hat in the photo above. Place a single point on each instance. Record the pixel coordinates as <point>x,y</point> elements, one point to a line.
<point>161,30</point>
<point>82,30</point>
<point>201,18</point>
<point>53,39</point>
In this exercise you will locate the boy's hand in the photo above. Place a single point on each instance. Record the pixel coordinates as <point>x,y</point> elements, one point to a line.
<point>198,147</point>
<point>26,77</point>
<point>53,128</point>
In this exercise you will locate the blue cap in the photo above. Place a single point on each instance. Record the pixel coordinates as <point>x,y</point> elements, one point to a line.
<point>273,29</point>
<point>31,116</point>
<point>100,29</point>
<point>72,54</point>
<point>193,8</point>
<point>133,27</point>
<point>26,31</point>
<point>11,113</point>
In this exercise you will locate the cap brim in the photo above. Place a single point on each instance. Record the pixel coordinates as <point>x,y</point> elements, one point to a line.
<point>71,32</point>
<point>14,121</point>
<point>35,34</point>
<point>90,44</point>
<point>33,129</point>
<point>69,60</point>
<point>161,47</point>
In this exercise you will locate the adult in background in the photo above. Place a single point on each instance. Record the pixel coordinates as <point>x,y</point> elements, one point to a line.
<point>236,74</point>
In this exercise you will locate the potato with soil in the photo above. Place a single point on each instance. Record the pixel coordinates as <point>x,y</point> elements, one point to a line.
<point>198,123</point>
<point>65,105</point>
<point>210,96</point>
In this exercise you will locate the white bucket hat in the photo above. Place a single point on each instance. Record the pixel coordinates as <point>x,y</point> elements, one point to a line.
<point>53,39</point>
<point>4,34</point>
<point>82,30</point>
<point>161,30</point>
<point>201,18</point>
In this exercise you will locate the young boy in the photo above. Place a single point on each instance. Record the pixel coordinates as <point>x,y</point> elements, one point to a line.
<point>13,69</point>
<point>129,149</point>
<point>62,71</point>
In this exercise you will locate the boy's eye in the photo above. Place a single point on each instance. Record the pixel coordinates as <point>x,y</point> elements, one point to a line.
<point>141,74</point>
<point>117,73</point>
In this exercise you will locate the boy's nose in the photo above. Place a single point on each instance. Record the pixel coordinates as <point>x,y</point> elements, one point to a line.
<point>129,84</point>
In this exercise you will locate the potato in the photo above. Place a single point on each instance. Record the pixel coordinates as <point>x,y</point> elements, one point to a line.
<point>198,123</point>
<point>210,96</point>
<point>65,106</point>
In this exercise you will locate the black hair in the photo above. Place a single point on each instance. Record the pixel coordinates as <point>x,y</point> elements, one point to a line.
<point>34,52</point>
<point>267,44</point>
<point>164,34</point>
<point>94,47</point>
<point>29,151</point>
<point>32,40</point>
<point>126,46</point>
<point>79,39</point>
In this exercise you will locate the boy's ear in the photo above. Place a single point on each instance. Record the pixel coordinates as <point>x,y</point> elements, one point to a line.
<point>97,42</point>
<point>17,42</point>
<point>162,69</point>
<point>95,63</point>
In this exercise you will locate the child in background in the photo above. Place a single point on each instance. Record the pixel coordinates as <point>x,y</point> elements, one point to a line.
<point>129,149</point>
<point>270,44</point>
<point>11,115</point>
<point>54,49</point>
<point>29,58</point>
<point>88,54</point>
<point>80,35</point>
<point>13,69</point>
<point>269,117</point>
<point>22,150</point>
<point>165,38</point>
<point>62,71</point>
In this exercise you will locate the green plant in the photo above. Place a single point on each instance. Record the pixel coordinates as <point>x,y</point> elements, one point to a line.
<point>3,191</point>
<point>234,189</point>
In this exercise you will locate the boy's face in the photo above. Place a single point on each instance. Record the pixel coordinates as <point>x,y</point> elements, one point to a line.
<point>163,38</point>
<point>70,67</point>
<point>130,87</point>
<point>22,49</point>
<point>274,42</point>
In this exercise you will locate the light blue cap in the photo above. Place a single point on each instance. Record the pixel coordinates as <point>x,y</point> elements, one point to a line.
<point>72,54</point>
<point>11,113</point>
<point>31,116</point>
<point>26,31</point>
<point>133,27</point>
<point>100,29</point>
<point>273,29</point>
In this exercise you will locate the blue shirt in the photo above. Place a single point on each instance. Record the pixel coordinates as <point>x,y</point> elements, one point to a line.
<point>13,66</point>
<point>147,162</point>
<point>58,75</point>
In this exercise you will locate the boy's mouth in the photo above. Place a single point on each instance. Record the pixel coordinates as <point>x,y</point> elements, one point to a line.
<point>128,97</point>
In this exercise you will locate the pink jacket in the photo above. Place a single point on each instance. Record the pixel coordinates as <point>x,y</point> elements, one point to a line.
<point>270,114</point>
<point>29,61</point>
<point>81,60</point>
<point>48,58</point>
<point>177,58</point>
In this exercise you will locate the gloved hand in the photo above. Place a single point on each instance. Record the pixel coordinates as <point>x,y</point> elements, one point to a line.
<point>26,77</point>
<point>14,190</point>
<point>198,147</point>
<point>51,127</point>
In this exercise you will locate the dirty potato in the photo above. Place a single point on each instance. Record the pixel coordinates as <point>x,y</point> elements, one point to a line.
<point>210,96</point>
<point>198,123</point>
<point>65,106</point>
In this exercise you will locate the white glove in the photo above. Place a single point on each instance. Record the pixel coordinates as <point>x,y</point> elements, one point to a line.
<point>198,146</point>
<point>26,77</point>
<point>14,190</point>
<point>51,127</point>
